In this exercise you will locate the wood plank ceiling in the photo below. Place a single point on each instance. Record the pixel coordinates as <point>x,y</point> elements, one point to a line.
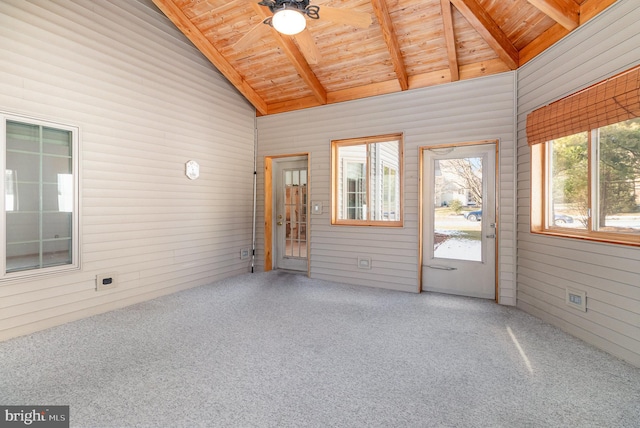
<point>409,44</point>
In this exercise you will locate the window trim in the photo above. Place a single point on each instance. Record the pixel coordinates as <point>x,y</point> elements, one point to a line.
<point>540,188</point>
<point>335,185</point>
<point>610,101</point>
<point>75,228</point>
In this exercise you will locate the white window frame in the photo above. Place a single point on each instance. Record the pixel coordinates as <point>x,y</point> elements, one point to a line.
<point>345,182</point>
<point>75,227</point>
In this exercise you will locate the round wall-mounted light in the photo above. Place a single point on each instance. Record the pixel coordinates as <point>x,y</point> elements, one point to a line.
<point>289,21</point>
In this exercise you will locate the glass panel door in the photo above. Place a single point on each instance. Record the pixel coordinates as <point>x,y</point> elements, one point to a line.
<point>459,233</point>
<point>291,235</point>
<point>295,188</point>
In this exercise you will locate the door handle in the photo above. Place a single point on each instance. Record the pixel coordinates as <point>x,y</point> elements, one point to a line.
<point>492,236</point>
<point>279,223</point>
<point>441,267</point>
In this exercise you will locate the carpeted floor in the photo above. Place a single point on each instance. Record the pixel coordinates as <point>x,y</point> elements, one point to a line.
<point>281,350</point>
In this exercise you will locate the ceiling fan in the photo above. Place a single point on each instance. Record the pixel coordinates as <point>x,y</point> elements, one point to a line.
<point>290,18</point>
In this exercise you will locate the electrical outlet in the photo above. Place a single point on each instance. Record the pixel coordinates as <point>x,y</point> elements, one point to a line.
<point>244,254</point>
<point>576,299</point>
<point>364,262</point>
<point>106,281</point>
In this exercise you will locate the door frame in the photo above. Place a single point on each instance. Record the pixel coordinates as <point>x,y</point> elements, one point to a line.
<point>421,203</point>
<point>269,196</point>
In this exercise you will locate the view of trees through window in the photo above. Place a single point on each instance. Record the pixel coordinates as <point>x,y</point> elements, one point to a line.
<point>594,179</point>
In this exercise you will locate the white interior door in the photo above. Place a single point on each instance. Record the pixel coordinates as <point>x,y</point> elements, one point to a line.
<point>459,254</point>
<point>291,181</point>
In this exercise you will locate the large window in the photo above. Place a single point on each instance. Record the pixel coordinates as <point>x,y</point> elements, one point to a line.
<point>40,226</point>
<point>586,172</point>
<point>367,181</point>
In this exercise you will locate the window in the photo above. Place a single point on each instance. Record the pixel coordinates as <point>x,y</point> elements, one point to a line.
<point>586,173</point>
<point>367,183</point>
<point>40,225</point>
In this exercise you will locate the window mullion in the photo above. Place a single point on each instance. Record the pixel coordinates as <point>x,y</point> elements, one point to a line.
<point>594,181</point>
<point>41,202</point>
<point>369,183</point>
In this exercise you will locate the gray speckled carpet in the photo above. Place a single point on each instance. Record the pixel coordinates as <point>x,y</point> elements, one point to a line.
<point>281,350</point>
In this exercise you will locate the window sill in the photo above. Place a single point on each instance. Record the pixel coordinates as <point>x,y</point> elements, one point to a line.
<point>367,223</point>
<point>601,237</point>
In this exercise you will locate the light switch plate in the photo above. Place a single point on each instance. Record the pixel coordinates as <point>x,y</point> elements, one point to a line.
<point>316,207</point>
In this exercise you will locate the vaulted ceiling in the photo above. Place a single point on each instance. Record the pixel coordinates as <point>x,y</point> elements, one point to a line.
<point>389,46</point>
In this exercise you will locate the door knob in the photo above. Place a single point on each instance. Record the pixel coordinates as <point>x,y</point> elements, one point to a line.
<point>279,223</point>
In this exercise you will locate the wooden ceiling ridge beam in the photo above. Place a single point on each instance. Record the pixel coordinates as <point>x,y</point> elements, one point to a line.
<point>391,39</point>
<point>297,59</point>
<point>564,12</point>
<point>175,15</point>
<point>482,22</point>
<point>450,39</point>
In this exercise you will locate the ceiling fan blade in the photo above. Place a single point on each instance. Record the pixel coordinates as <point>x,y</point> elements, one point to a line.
<point>308,46</point>
<point>345,16</point>
<point>252,36</point>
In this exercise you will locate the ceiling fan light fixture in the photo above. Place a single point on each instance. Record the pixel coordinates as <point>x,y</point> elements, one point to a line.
<point>289,21</point>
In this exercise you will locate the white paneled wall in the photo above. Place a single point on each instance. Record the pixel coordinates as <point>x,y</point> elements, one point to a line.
<point>609,274</point>
<point>146,101</point>
<point>463,111</point>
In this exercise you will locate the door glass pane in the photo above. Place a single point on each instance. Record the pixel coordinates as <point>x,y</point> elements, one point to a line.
<point>295,213</point>
<point>457,210</point>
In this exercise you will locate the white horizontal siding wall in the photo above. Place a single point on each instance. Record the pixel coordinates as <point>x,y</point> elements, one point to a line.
<point>146,101</point>
<point>463,111</point>
<point>609,274</point>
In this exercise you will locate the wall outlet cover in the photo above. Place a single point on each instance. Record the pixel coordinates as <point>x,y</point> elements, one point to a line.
<point>106,281</point>
<point>576,299</point>
<point>364,262</point>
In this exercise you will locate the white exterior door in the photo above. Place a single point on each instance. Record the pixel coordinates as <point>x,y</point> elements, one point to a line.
<point>459,234</point>
<point>291,182</point>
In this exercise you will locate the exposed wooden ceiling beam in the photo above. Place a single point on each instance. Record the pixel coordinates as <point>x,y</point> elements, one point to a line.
<point>482,22</point>
<point>541,43</point>
<point>591,8</point>
<point>201,42</point>
<point>564,12</point>
<point>297,59</point>
<point>432,78</point>
<point>390,38</point>
<point>450,39</point>
<point>588,10</point>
